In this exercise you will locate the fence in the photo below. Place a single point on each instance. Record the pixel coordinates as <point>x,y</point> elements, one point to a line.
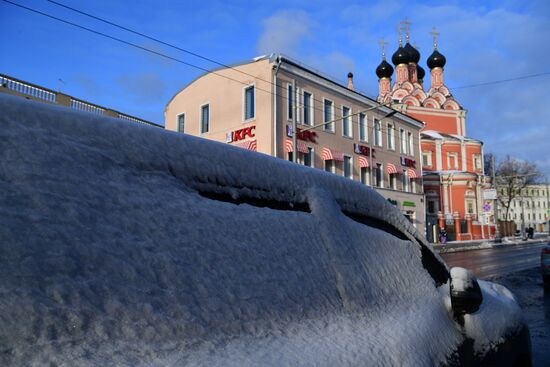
<point>31,91</point>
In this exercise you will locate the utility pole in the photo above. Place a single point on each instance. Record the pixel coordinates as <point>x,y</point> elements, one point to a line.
<point>547,206</point>
<point>294,132</point>
<point>497,230</point>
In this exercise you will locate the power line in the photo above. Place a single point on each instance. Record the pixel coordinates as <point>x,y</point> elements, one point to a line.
<point>501,81</point>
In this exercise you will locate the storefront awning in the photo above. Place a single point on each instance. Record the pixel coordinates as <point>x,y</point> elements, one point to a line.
<point>391,168</point>
<point>302,147</point>
<point>412,173</point>
<point>250,145</point>
<point>331,154</point>
<point>363,162</point>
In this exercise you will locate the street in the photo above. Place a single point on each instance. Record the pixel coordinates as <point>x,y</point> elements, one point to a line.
<point>493,262</point>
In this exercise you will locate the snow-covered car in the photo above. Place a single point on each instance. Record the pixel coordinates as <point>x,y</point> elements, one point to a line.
<point>545,264</point>
<point>124,244</point>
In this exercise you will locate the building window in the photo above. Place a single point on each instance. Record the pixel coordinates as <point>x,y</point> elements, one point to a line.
<point>329,166</point>
<point>411,142</point>
<point>365,177</point>
<point>393,181</point>
<point>378,175</point>
<point>348,171</point>
<point>432,207</point>
<point>406,181</point>
<point>249,103</point>
<point>328,115</point>
<point>391,137</point>
<point>403,141</point>
<point>477,161</point>
<point>377,133</point>
<point>205,118</point>
<point>346,122</point>
<point>427,159</point>
<point>181,123</point>
<point>363,128</point>
<point>290,105</point>
<point>470,206</point>
<point>452,160</point>
<point>307,158</point>
<point>308,108</point>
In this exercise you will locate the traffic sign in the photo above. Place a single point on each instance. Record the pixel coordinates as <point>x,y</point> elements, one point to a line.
<point>486,207</point>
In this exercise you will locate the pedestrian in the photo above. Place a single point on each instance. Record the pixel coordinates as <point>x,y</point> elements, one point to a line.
<point>531,232</point>
<point>443,236</point>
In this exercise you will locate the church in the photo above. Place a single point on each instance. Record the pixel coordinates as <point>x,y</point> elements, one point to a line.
<point>452,162</point>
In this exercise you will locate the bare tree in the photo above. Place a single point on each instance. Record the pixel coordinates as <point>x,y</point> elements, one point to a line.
<point>512,176</point>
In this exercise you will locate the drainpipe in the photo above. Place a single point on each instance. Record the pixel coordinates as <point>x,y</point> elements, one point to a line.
<point>274,115</point>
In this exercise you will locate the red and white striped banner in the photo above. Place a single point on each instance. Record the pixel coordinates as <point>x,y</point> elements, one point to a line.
<point>331,154</point>
<point>391,168</point>
<point>250,145</point>
<point>363,162</point>
<point>412,173</point>
<point>302,147</point>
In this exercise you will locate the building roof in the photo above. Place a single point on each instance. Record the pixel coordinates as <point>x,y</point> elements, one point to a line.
<point>443,136</point>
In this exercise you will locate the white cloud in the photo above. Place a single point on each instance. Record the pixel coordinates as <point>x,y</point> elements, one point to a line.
<point>283,32</point>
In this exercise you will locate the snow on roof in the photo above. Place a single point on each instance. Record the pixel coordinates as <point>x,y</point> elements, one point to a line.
<point>123,244</point>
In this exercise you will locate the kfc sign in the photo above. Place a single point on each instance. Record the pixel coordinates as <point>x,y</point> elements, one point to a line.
<point>307,135</point>
<point>240,134</point>
<point>408,162</point>
<point>363,150</point>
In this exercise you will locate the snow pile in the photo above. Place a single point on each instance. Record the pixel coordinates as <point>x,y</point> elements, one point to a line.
<point>122,244</point>
<point>498,317</point>
<point>462,279</point>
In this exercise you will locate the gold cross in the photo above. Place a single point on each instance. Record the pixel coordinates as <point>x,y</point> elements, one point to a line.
<point>399,30</point>
<point>406,28</point>
<point>434,34</point>
<point>383,44</point>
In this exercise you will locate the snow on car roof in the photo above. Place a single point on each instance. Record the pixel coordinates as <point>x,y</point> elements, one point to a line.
<point>124,245</point>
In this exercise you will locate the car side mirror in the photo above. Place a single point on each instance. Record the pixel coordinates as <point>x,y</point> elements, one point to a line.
<point>466,295</point>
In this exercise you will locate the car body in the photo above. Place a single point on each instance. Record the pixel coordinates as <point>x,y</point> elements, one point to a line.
<point>545,263</point>
<point>129,245</point>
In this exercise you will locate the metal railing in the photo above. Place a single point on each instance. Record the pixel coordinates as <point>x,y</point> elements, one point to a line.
<point>20,87</point>
<point>27,88</point>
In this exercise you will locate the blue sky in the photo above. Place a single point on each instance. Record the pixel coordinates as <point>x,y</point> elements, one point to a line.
<point>482,40</point>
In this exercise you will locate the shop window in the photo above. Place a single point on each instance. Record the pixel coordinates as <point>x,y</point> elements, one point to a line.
<point>329,166</point>
<point>378,175</point>
<point>348,167</point>
<point>393,181</point>
<point>365,175</point>
<point>406,181</point>
<point>307,158</point>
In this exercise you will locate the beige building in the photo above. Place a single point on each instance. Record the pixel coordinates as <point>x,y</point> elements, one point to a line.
<point>531,207</point>
<point>250,105</point>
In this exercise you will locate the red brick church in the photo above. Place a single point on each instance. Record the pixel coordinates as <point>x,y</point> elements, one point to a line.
<point>452,162</point>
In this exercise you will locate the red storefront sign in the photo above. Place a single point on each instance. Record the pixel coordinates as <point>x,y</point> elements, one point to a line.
<point>240,134</point>
<point>307,135</point>
<point>407,162</point>
<point>363,150</point>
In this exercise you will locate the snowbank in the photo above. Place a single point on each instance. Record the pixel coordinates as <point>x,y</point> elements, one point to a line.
<point>119,245</point>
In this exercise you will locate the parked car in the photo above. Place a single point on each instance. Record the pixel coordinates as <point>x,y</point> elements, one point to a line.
<point>545,264</point>
<point>125,244</point>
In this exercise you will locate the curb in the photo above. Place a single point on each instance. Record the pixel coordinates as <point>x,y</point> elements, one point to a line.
<point>483,245</point>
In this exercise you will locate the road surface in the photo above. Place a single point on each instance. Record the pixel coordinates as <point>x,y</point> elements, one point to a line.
<point>488,263</point>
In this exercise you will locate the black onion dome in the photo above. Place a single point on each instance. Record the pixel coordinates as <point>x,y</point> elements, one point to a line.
<point>420,73</point>
<point>384,70</point>
<point>414,55</point>
<point>400,56</point>
<point>436,60</point>
<point>350,75</point>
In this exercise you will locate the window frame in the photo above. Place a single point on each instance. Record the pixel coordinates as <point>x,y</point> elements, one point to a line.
<point>311,108</point>
<point>349,122</point>
<point>331,127</point>
<point>377,135</point>
<point>403,140</point>
<point>289,102</point>
<point>245,89</point>
<point>390,137</point>
<point>350,166</point>
<point>178,123</point>
<point>363,127</point>
<point>201,118</point>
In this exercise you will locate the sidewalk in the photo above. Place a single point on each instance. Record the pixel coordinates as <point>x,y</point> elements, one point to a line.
<point>455,246</point>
